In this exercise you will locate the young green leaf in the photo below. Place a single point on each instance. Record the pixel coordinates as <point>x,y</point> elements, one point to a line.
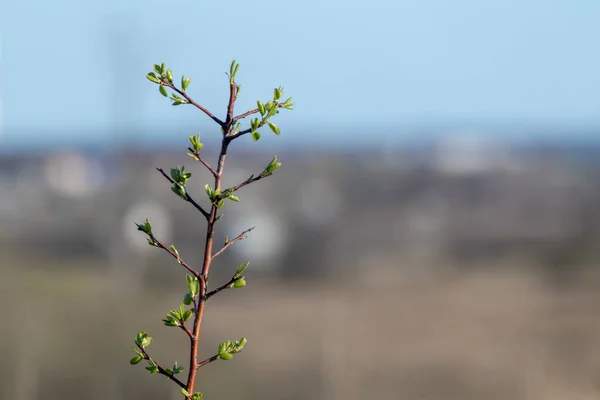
<point>277,93</point>
<point>255,136</point>
<point>239,282</point>
<point>254,124</point>
<point>163,91</point>
<point>241,268</point>
<point>231,67</point>
<point>152,77</point>
<point>274,128</point>
<point>136,360</point>
<point>261,107</point>
<point>179,190</point>
<point>185,83</point>
<point>187,315</point>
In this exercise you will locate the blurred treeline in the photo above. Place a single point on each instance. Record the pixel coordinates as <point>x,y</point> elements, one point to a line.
<point>430,272</point>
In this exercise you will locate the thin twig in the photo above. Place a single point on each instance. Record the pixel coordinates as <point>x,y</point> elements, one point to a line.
<point>222,287</point>
<point>161,370</point>
<point>241,236</point>
<point>242,133</point>
<point>250,112</point>
<point>189,99</point>
<point>248,181</point>
<point>186,330</point>
<point>230,105</point>
<point>175,255</point>
<point>188,198</point>
<point>207,165</point>
<point>246,114</point>
<point>208,361</point>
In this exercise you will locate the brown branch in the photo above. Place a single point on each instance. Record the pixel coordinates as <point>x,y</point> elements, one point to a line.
<point>207,165</point>
<point>227,285</point>
<point>246,114</point>
<point>248,181</point>
<point>187,331</point>
<point>208,361</point>
<point>189,99</point>
<point>230,105</point>
<point>210,230</point>
<point>172,253</point>
<point>161,370</point>
<point>250,112</point>
<point>188,198</point>
<point>211,218</point>
<point>241,236</point>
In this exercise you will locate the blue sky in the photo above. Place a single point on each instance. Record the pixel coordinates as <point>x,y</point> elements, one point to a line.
<point>76,68</point>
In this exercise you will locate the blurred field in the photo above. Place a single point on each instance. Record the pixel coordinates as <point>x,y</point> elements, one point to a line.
<point>492,336</point>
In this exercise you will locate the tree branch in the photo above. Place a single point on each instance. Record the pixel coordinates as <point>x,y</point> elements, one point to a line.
<point>188,198</point>
<point>207,165</point>
<point>230,105</point>
<point>248,181</point>
<point>241,236</point>
<point>172,253</point>
<point>208,361</point>
<point>189,99</point>
<point>210,231</point>
<point>161,370</point>
<point>187,331</point>
<point>246,114</point>
<point>227,285</point>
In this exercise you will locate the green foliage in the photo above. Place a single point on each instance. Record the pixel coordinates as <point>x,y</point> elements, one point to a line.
<point>228,349</point>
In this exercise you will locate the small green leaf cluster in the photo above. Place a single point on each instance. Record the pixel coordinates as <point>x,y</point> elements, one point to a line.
<point>146,227</point>
<point>217,197</point>
<point>271,167</point>
<point>152,366</point>
<point>228,349</point>
<point>181,178</point>
<point>185,82</point>
<point>164,77</point>
<point>268,110</point>
<point>143,340</point>
<point>239,280</point>
<point>178,317</point>
<point>233,69</point>
<point>194,290</point>
<point>196,145</point>
<point>195,396</point>
<point>175,370</point>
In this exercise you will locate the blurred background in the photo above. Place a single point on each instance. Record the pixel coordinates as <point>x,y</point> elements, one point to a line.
<point>433,233</point>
